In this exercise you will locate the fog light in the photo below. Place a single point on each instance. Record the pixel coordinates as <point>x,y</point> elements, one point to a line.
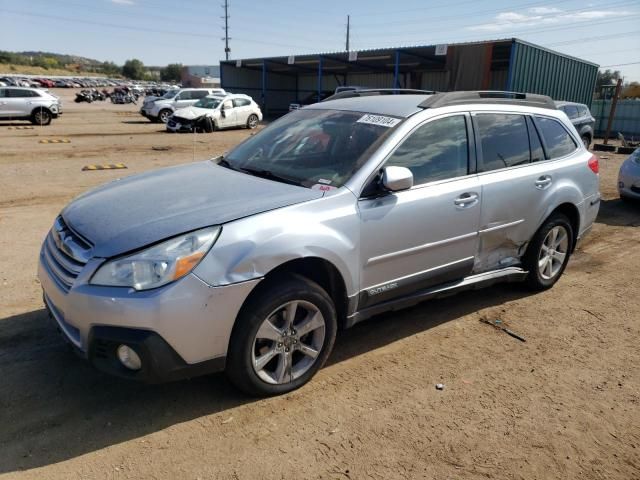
<point>129,358</point>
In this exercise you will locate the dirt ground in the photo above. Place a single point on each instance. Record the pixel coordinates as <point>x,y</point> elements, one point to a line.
<point>563,405</point>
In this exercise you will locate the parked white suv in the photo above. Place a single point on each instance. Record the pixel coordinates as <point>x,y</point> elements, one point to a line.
<point>160,109</point>
<point>33,104</point>
<point>216,112</point>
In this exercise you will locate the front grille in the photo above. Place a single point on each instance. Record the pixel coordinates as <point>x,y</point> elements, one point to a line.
<point>65,254</point>
<point>181,120</point>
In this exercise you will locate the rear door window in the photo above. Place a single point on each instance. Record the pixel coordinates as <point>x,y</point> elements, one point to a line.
<point>199,94</point>
<point>240,102</point>
<point>584,111</point>
<point>437,150</point>
<point>504,141</point>
<point>556,138</point>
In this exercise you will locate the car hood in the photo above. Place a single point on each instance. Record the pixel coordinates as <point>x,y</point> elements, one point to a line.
<point>189,113</point>
<point>131,213</point>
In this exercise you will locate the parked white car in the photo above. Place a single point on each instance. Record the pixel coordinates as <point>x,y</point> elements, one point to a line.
<point>215,112</point>
<point>160,109</point>
<point>33,104</point>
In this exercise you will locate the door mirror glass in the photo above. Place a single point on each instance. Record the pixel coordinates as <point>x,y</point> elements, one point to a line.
<point>395,179</point>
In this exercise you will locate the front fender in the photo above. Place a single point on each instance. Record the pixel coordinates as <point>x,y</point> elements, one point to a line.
<point>249,248</point>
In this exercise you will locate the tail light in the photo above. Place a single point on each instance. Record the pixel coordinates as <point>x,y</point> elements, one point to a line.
<point>594,164</point>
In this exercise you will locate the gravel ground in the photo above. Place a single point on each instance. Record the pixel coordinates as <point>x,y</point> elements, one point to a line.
<point>565,404</point>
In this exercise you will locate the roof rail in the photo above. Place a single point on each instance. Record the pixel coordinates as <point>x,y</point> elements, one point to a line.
<point>488,96</point>
<point>365,92</point>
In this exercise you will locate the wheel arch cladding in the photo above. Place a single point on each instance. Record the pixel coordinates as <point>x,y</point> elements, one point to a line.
<point>316,269</point>
<point>570,211</point>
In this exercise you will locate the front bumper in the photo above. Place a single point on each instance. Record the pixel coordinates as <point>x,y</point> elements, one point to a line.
<point>181,329</point>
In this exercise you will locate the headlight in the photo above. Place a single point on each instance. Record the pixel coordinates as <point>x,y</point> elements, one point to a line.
<point>160,264</point>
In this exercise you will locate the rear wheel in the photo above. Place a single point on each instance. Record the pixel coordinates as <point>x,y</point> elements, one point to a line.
<point>283,336</point>
<point>41,116</point>
<point>252,121</point>
<point>549,252</point>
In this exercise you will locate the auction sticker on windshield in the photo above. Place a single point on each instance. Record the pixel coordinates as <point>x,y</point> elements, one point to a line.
<point>380,120</point>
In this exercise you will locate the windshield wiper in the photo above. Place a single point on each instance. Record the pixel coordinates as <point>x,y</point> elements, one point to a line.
<point>269,175</point>
<point>225,163</point>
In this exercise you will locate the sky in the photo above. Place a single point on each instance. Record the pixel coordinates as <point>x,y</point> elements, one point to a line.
<point>191,32</point>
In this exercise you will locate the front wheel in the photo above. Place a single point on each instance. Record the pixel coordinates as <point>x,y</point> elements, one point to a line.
<point>586,140</point>
<point>252,121</point>
<point>548,253</point>
<point>41,117</point>
<point>164,115</point>
<point>283,336</point>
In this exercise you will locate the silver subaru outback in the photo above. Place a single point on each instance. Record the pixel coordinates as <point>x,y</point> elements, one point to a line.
<point>251,262</point>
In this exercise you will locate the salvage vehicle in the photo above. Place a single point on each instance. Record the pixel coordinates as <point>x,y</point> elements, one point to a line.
<point>629,178</point>
<point>581,117</point>
<point>160,109</point>
<point>33,104</point>
<point>216,112</point>
<point>252,261</point>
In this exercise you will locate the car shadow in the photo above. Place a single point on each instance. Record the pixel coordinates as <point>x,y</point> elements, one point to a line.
<point>54,406</point>
<point>137,122</point>
<point>619,213</point>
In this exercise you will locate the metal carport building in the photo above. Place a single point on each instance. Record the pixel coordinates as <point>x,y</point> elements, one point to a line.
<point>509,64</point>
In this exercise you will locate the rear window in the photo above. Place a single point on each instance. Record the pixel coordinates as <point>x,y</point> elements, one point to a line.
<point>556,138</point>
<point>571,111</point>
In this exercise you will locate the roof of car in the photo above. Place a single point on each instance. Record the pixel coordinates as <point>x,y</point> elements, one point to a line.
<point>563,103</point>
<point>393,105</point>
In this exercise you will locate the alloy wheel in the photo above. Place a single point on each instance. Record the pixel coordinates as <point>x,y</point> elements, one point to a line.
<point>553,252</point>
<point>288,342</point>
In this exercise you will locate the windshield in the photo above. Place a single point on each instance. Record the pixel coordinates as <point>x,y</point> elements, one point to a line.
<point>315,148</point>
<point>207,102</point>
<point>170,94</point>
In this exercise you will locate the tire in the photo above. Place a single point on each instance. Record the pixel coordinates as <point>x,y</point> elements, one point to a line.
<point>285,367</point>
<point>41,116</point>
<point>207,125</point>
<point>163,116</point>
<point>252,121</point>
<point>552,249</point>
<point>586,140</point>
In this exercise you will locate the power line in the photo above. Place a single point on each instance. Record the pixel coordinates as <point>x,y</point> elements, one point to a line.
<point>591,38</point>
<point>621,64</point>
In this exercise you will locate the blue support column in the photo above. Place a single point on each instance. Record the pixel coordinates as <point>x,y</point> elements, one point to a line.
<point>396,70</point>
<point>264,86</point>
<point>319,77</point>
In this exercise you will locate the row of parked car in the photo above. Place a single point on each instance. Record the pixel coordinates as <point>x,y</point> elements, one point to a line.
<point>11,81</point>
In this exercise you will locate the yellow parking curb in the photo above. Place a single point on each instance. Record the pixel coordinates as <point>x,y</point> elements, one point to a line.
<point>112,166</point>
<point>55,140</point>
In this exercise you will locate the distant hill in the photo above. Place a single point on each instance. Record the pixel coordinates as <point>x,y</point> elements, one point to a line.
<point>56,61</point>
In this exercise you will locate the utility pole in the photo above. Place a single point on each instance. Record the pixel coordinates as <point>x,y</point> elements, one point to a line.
<point>612,113</point>
<point>348,32</point>
<point>226,38</point>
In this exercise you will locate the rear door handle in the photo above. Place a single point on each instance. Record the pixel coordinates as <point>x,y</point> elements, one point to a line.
<point>543,182</point>
<point>466,200</point>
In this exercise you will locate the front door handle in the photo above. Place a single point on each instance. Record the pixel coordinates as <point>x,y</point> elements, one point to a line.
<point>543,182</point>
<point>466,200</point>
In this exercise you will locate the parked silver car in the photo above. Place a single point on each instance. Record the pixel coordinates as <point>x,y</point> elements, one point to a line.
<point>629,177</point>
<point>159,109</point>
<point>336,212</point>
<point>581,117</point>
<point>33,104</point>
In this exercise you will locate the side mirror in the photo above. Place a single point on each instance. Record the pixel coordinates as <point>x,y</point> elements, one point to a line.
<point>395,179</point>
